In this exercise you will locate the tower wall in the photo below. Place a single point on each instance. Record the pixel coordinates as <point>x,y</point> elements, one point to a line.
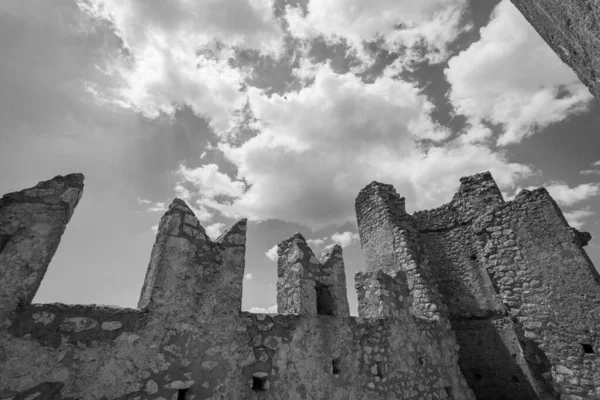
<point>571,28</point>
<point>32,222</point>
<point>307,285</point>
<point>551,289</point>
<point>391,244</point>
<point>190,274</point>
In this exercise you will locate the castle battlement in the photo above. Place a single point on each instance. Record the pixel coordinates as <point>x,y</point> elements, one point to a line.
<point>479,298</point>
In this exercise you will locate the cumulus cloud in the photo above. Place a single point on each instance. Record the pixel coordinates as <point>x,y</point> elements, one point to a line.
<point>345,239</point>
<point>397,25</point>
<point>248,276</point>
<point>180,53</point>
<point>578,218</point>
<point>272,253</point>
<point>262,310</point>
<point>317,147</point>
<point>565,195</point>
<point>512,78</point>
<point>214,230</point>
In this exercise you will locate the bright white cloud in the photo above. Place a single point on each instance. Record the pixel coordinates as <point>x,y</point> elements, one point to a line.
<point>179,53</point>
<point>513,78</point>
<point>345,239</point>
<point>154,228</point>
<point>272,253</point>
<point>432,24</point>
<point>316,148</point>
<point>262,310</point>
<point>248,276</point>
<point>214,230</point>
<point>210,182</point>
<point>578,218</point>
<point>565,195</point>
<point>316,242</point>
<point>159,206</point>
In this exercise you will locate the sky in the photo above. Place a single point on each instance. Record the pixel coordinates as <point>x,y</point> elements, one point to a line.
<point>279,111</point>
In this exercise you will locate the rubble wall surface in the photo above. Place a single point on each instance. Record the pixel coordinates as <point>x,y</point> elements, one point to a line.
<point>516,286</point>
<point>189,339</point>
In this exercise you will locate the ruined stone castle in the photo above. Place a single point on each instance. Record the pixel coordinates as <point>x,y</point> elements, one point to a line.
<point>477,299</point>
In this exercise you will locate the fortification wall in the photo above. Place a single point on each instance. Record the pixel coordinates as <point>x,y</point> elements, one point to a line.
<point>572,29</point>
<point>505,351</point>
<point>550,288</point>
<point>189,338</point>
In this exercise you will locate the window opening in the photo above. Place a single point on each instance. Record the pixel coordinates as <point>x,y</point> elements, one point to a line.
<point>182,394</point>
<point>325,305</point>
<point>587,348</point>
<point>380,369</point>
<point>260,382</point>
<point>336,364</point>
<point>449,392</point>
<point>3,241</point>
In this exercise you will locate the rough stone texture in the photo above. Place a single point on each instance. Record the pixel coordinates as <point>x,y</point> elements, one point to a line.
<point>521,295</point>
<point>189,339</point>
<point>479,298</point>
<point>307,285</point>
<point>32,222</point>
<point>572,29</point>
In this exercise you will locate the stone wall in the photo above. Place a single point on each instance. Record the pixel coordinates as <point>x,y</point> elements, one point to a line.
<point>572,29</point>
<point>519,291</point>
<point>479,298</point>
<point>189,339</point>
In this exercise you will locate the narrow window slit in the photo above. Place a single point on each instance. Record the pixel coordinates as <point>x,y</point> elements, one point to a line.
<point>3,241</point>
<point>182,394</point>
<point>380,369</point>
<point>336,365</point>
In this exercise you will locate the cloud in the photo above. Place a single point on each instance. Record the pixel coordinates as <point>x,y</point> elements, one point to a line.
<point>248,276</point>
<point>400,25</point>
<point>210,182</point>
<point>180,54</point>
<point>272,253</point>
<point>592,171</point>
<point>578,218</point>
<point>154,228</point>
<point>158,207</point>
<point>317,147</point>
<point>512,78</point>
<point>261,310</point>
<point>214,230</point>
<point>567,196</point>
<point>345,239</point>
<point>316,242</point>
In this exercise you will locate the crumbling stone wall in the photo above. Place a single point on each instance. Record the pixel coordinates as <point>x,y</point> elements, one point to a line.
<point>518,289</point>
<point>189,339</point>
<point>572,29</point>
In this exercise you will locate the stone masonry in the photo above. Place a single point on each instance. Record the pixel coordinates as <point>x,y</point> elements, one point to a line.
<point>477,299</point>
<point>189,339</point>
<point>572,29</point>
